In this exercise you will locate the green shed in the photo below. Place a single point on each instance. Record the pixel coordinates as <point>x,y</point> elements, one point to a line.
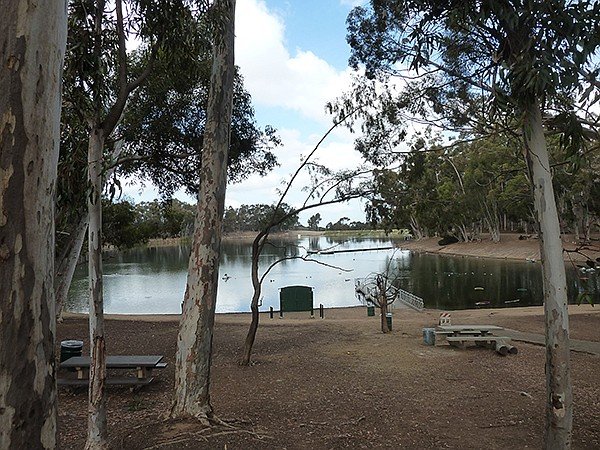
<point>295,298</point>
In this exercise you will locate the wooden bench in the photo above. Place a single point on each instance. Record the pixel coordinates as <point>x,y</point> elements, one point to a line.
<point>143,366</point>
<point>114,381</point>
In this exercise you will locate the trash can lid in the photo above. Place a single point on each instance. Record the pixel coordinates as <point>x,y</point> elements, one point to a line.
<point>71,343</point>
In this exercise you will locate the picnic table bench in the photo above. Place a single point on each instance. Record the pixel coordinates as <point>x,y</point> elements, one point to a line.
<point>459,335</point>
<point>143,366</point>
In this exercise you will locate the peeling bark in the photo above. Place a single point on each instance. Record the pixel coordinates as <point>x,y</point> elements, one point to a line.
<point>97,433</point>
<point>32,47</point>
<point>559,406</point>
<point>194,342</point>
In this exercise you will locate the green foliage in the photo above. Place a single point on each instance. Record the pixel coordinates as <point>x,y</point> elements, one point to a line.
<point>258,217</point>
<point>164,129</point>
<point>120,227</point>
<point>126,224</point>
<point>344,224</point>
<point>472,69</point>
<point>313,221</point>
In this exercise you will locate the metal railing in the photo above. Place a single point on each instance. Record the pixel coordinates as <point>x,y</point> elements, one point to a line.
<point>367,292</point>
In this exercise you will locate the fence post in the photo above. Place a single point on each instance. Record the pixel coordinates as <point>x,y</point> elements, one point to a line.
<point>321,312</point>
<point>270,312</point>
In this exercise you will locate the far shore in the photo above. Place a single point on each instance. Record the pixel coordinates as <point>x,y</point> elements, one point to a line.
<point>350,312</point>
<point>509,247</point>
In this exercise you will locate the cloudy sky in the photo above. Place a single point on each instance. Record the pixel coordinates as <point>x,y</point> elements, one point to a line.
<point>293,56</point>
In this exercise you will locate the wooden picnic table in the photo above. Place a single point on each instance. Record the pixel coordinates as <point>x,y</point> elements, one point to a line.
<point>142,364</point>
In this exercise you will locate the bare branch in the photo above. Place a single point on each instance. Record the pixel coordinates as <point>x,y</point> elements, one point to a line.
<point>303,258</point>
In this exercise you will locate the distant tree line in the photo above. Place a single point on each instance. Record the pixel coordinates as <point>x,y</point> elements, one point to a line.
<point>257,217</point>
<point>482,187</point>
<point>127,224</point>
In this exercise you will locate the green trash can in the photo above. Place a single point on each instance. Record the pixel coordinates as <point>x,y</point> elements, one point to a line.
<point>370,311</point>
<point>70,348</point>
<point>388,318</point>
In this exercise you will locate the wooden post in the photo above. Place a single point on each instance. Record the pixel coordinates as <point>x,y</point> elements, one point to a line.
<point>270,312</point>
<point>321,312</point>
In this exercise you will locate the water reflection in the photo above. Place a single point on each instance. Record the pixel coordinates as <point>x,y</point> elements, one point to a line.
<point>152,280</point>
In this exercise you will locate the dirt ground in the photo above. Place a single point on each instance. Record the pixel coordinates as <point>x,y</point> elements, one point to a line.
<point>338,382</point>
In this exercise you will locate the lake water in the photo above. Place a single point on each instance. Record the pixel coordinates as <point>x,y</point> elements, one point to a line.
<point>152,280</point>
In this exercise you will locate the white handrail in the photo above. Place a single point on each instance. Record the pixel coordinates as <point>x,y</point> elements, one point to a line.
<point>367,292</point>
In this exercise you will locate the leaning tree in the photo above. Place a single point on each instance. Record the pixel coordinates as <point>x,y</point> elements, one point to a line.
<point>327,188</point>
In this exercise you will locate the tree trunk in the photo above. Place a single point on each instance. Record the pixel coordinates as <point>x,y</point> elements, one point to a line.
<point>32,48</point>
<point>251,336</point>
<point>67,264</point>
<point>493,221</point>
<point>384,309</point>
<point>97,433</point>
<point>416,229</point>
<point>194,342</point>
<point>559,408</point>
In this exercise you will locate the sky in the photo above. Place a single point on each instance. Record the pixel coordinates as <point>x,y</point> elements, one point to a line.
<point>293,56</point>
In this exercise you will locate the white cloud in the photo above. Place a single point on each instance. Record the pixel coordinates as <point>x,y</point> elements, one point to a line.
<point>298,81</point>
<point>301,82</point>
<point>352,3</point>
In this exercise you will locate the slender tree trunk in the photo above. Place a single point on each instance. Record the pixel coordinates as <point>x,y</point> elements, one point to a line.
<point>251,336</point>
<point>67,264</point>
<point>493,221</point>
<point>559,407</point>
<point>32,48</point>
<point>382,303</point>
<point>97,433</point>
<point>194,342</point>
<point>384,309</point>
<point>416,228</point>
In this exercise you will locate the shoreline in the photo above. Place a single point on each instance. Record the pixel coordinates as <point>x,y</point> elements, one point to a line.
<point>519,311</point>
<point>509,247</point>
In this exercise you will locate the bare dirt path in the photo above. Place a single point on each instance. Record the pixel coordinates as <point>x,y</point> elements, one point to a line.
<point>340,383</point>
<point>509,247</point>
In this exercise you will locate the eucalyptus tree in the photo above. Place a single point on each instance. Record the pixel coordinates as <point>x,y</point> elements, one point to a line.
<point>160,135</point>
<point>522,61</point>
<point>101,81</point>
<point>194,340</point>
<point>32,48</point>
<point>163,129</point>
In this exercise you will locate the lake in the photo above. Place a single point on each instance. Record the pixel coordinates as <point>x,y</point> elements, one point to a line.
<point>152,280</point>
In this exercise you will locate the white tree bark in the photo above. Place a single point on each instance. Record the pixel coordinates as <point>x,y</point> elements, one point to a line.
<point>97,434</point>
<point>559,406</point>
<point>67,265</point>
<point>194,342</point>
<point>32,47</point>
